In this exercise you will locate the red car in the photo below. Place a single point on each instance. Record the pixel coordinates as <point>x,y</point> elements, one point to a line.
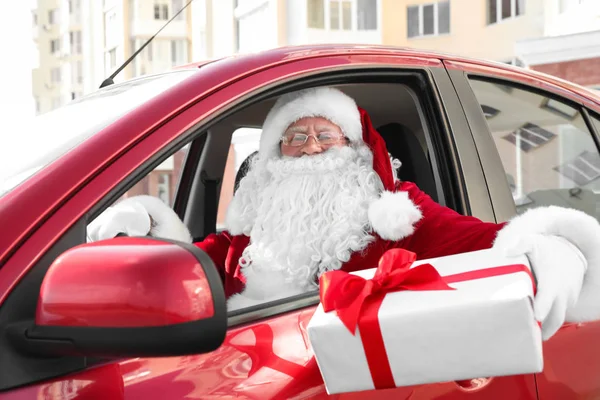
<point>137,318</point>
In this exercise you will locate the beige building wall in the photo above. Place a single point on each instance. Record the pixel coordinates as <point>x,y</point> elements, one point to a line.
<point>470,35</point>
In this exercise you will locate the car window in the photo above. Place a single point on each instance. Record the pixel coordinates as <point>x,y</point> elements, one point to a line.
<point>163,180</point>
<point>546,148</point>
<point>244,143</point>
<point>46,137</point>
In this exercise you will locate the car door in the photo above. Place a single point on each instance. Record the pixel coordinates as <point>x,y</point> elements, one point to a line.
<point>540,142</point>
<point>266,354</point>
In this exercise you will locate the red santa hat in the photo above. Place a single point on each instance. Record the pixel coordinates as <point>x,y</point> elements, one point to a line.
<point>393,215</point>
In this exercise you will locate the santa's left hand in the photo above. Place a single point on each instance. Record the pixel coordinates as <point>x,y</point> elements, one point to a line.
<point>559,268</point>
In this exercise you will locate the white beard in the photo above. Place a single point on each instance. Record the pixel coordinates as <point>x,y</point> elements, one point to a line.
<point>304,216</point>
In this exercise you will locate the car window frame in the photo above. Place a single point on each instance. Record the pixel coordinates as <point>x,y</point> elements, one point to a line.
<point>311,299</point>
<point>594,118</point>
<point>461,73</point>
<point>449,127</point>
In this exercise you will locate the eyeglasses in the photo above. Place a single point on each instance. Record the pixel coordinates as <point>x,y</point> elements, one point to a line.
<point>299,139</point>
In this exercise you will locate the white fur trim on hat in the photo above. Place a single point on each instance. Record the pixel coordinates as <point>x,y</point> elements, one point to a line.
<point>166,223</point>
<point>329,103</point>
<point>578,228</point>
<point>393,215</point>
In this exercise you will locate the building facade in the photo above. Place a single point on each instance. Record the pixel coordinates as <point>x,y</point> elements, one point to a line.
<point>58,76</point>
<point>485,29</point>
<point>82,42</point>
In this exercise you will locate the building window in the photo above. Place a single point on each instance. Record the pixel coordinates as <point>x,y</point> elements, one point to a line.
<point>76,72</point>
<point>164,180</point>
<point>340,15</point>
<point>498,10</point>
<point>56,102</point>
<point>177,5</point>
<point>55,46</point>
<point>583,169</point>
<point>112,55</point>
<point>75,40</point>
<point>316,14</point>
<point>161,10</point>
<point>74,6</point>
<point>53,16</point>
<point>529,137</point>
<point>489,112</point>
<point>366,14</point>
<point>111,29</point>
<point>149,51</point>
<point>174,52</point>
<point>110,60</point>
<point>55,75</point>
<point>178,52</point>
<point>428,19</point>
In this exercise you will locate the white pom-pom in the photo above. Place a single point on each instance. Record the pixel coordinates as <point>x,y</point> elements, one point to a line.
<point>393,215</point>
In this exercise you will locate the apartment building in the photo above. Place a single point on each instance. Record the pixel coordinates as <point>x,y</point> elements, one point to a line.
<point>57,32</point>
<point>82,42</point>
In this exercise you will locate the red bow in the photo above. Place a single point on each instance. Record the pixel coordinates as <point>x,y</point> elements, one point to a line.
<point>346,293</point>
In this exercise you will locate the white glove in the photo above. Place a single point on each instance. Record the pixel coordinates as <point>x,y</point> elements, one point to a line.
<point>139,216</point>
<point>559,267</point>
<point>130,218</point>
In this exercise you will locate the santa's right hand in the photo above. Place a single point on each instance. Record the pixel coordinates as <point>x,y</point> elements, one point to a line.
<point>129,218</point>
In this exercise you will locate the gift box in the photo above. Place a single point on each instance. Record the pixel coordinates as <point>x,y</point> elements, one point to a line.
<point>415,322</point>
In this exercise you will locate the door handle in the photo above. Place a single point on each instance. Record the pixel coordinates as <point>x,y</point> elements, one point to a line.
<point>473,385</point>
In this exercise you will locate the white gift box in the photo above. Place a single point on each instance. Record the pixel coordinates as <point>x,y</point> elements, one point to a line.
<point>484,328</point>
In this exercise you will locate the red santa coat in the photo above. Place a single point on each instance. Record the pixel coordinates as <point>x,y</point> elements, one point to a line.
<point>440,232</point>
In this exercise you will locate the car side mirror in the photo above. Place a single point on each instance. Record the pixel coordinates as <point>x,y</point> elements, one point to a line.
<point>128,297</point>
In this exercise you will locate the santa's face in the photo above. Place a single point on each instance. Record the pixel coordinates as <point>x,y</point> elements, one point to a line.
<point>310,136</point>
<point>304,214</point>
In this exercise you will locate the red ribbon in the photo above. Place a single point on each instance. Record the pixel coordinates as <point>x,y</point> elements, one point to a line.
<point>357,300</point>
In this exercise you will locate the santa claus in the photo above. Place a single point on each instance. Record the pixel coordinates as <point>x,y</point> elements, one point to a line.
<point>322,194</point>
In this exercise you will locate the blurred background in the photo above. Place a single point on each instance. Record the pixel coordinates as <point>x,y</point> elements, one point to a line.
<point>55,51</point>
<point>78,43</point>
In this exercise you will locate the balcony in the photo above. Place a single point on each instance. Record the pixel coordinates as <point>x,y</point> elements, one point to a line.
<point>576,19</point>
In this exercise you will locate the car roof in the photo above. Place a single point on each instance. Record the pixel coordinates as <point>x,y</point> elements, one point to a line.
<point>298,52</point>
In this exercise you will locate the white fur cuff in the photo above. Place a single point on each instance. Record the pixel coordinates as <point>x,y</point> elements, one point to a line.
<point>393,215</point>
<point>578,228</point>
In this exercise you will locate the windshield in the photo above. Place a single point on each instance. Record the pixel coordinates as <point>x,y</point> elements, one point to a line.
<point>46,137</point>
